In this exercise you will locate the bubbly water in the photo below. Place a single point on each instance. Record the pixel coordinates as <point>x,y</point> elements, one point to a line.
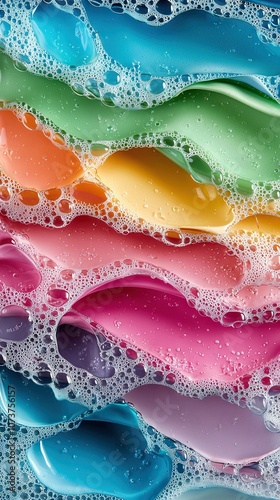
<point>139,249</point>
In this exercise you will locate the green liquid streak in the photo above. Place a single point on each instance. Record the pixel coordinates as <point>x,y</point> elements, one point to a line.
<point>235,126</point>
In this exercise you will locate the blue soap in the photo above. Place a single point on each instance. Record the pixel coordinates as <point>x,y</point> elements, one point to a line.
<point>63,35</point>
<point>107,454</point>
<point>36,405</point>
<point>194,42</point>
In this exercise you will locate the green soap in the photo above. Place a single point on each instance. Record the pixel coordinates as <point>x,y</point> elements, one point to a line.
<point>237,127</point>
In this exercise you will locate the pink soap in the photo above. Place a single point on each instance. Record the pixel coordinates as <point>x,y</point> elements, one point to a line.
<point>89,243</point>
<point>17,270</point>
<point>150,317</point>
<point>252,296</point>
<point>217,429</point>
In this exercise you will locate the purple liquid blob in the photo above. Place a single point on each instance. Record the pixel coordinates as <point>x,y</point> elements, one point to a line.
<point>15,323</point>
<point>81,348</point>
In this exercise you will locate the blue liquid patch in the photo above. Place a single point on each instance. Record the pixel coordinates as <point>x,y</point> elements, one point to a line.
<point>150,52</point>
<point>107,454</point>
<point>267,3</point>
<point>63,35</point>
<point>36,405</point>
<point>212,45</point>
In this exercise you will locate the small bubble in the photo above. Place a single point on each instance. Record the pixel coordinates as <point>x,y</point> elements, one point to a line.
<point>5,28</point>
<point>19,66</point>
<point>275,194</point>
<point>109,99</point>
<point>65,206</point>
<point>98,149</point>
<point>233,318</point>
<point>250,475</point>
<point>168,141</point>
<point>272,426</point>
<point>274,263</point>
<point>173,237</point>
<point>266,381</point>
<point>257,405</point>
<point>62,380</point>
<point>67,274</point>
<point>217,177</point>
<point>112,78</point>
<point>244,187</point>
<point>117,7</point>
<point>274,390</point>
<point>58,221</point>
<point>43,377</point>
<point>180,468</point>
<point>140,370</point>
<point>78,89</point>
<point>131,354</point>
<point>157,86</point>
<point>29,121</point>
<point>91,86</point>
<point>186,78</point>
<point>4,193</point>
<point>170,379</point>
<point>2,359</point>
<point>57,297</point>
<point>164,7</point>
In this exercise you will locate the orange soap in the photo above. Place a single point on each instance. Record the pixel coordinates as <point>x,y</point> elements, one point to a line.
<point>88,192</point>
<point>259,223</point>
<point>30,158</point>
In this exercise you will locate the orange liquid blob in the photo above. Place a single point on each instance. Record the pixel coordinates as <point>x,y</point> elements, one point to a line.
<point>88,192</point>
<point>29,198</point>
<point>29,121</point>
<point>4,193</point>
<point>64,206</point>
<point>30,158</point>
<point>259,223</point>
<point>52,194</point>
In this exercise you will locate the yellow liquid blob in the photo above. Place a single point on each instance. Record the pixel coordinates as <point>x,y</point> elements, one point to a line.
<point>155,189</point>
<point>262,224</point>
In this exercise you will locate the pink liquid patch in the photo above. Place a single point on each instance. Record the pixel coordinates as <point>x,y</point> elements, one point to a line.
<point>251,297</point>
<point>219,430</point>
<point>17,270</point>
<point>88,243</point>
<point>151,318</point>
<point>5,238</point>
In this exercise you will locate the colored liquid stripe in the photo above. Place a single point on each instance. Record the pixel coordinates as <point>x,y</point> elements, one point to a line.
<point>244,114</point>
<point>196,263</point>
<point>240,41</point>
<point>26,153</point>
<point>213,45</point>
<point>210,50</point>
<point>175,333</point>
<point>36,403</point>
